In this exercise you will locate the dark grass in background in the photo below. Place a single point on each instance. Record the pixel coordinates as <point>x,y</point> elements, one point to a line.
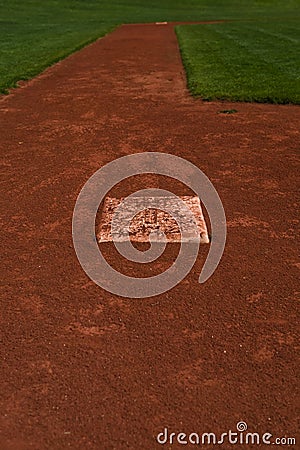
<point>36,33</point>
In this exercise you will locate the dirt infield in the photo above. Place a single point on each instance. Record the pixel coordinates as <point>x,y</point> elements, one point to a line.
<point>84,369</point>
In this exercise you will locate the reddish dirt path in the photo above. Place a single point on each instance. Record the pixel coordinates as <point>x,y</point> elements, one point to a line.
<point>84,369</point>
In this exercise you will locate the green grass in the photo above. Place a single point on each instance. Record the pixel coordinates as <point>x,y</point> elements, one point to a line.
<point>246,61</point>
<point>36,33</point>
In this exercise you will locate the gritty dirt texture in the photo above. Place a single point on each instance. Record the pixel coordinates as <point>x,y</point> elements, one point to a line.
<point>84,369</point>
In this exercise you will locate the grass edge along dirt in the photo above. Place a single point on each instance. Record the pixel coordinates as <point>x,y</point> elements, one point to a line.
<point>48,59</point>
<point>242,61</point>
<point>35,35</point>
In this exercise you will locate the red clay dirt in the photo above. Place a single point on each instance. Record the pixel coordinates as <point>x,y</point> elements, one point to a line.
<point>84,369</point>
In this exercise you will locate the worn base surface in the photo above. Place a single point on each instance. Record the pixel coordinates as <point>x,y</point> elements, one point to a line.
<point>84,369</point>
<point>150,220</point>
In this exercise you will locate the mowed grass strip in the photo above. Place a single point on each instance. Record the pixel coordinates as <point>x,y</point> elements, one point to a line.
<point>36,33</point>
<point>246,61</point>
